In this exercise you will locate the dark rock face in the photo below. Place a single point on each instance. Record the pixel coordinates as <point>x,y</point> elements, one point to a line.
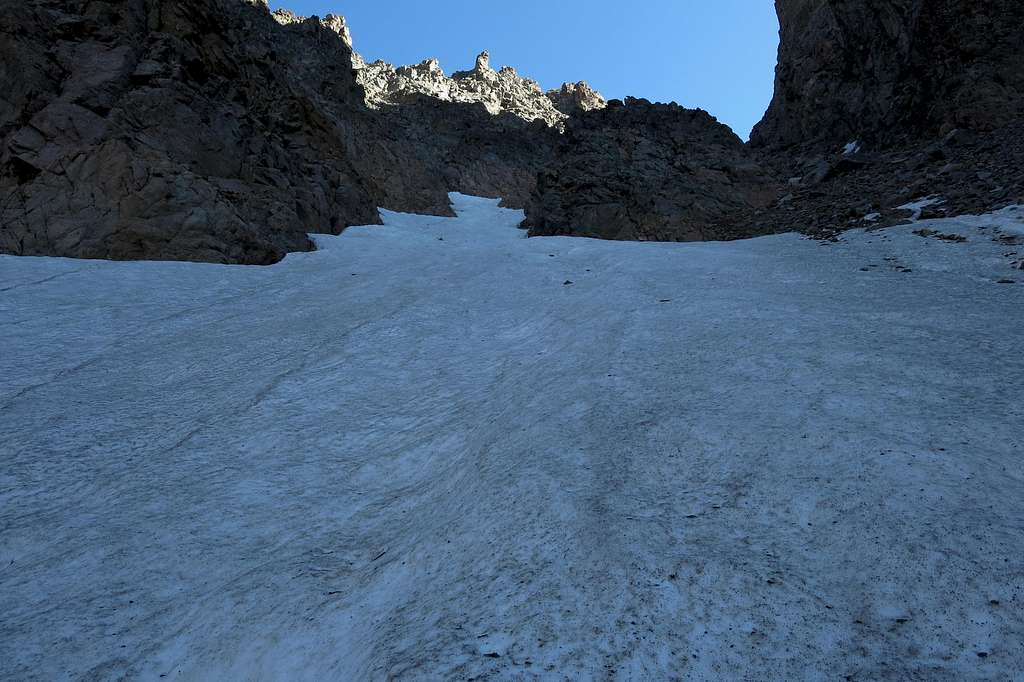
<point>965,172</point>
<point>889,71</point>
<point>931,93</point>
<point>205,130</point>
<point>637,170</point>
<point>502,91</point>
<point>178,130</point>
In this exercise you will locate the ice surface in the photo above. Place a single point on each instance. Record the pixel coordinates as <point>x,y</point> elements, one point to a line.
<point>421,453</point>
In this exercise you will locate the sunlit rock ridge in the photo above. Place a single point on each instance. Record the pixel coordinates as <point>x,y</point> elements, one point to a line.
<point>502,90</point>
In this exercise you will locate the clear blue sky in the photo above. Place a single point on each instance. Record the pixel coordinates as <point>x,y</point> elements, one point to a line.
<point>717,55</point>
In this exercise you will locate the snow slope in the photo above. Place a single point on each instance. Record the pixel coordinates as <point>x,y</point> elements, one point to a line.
<point>420,453</point>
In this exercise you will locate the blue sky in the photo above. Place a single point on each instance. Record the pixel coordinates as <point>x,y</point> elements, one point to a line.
<point>719,56</point>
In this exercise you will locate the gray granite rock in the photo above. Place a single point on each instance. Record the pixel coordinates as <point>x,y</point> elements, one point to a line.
<point>214,130</point>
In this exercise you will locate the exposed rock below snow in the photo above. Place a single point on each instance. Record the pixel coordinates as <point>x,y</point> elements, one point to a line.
<point>971,173</point>
<point>888,72</point>
<point>646,171</point>
<point>499,91</point>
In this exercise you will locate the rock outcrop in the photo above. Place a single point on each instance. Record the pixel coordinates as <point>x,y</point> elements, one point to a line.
<point>877,103</point>
<point>887,72</point>
<point>502,91</point>
<point>637,170</point>
<point>418,152</point>
<point>332,22</point>
<point>573,98</point>
<point>962,172</point>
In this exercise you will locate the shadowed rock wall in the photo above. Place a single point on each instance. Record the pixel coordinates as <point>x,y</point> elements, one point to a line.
<point>194,129</point>
<point>889,71</point>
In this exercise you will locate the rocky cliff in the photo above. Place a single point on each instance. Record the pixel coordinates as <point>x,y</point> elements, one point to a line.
<point>218,130</point>
<point>881,102</point>
<point>886,72</point>
<point>637,170</point>
<point>196,129</point>
<point>502,91</point>
<point>877,103</point>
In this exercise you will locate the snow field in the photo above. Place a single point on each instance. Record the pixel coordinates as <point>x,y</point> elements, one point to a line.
<point>435,449</point>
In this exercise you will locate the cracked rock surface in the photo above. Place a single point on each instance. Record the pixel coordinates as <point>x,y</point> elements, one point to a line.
<point>181,130</point>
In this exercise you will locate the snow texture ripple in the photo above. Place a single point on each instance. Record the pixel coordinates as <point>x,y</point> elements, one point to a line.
<point>435,449</point>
